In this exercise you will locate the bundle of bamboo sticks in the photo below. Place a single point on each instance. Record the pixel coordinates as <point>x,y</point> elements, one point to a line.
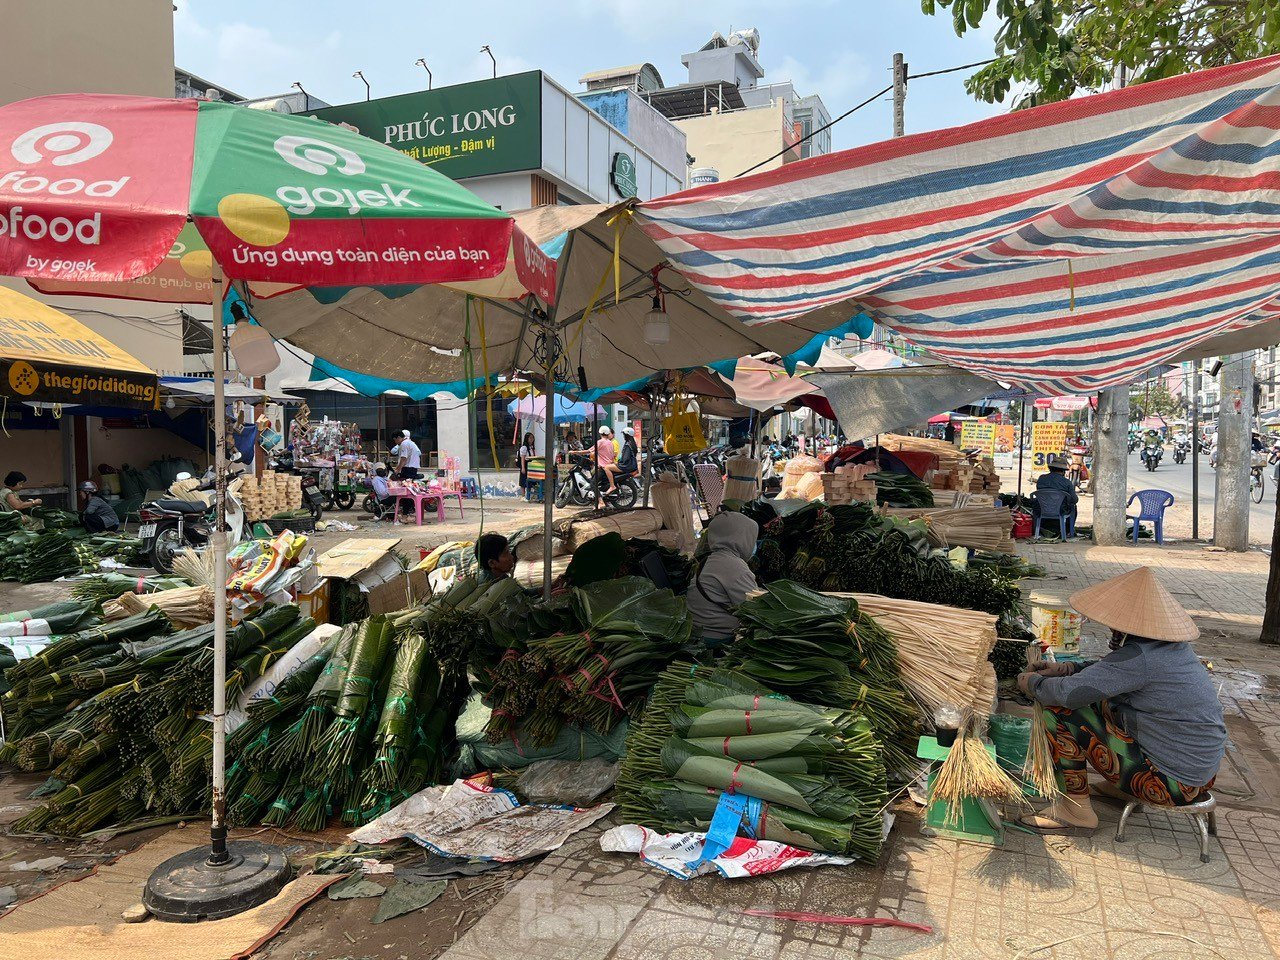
<point>980,528</point>
<point>942,650</point>
<point>185,606</point>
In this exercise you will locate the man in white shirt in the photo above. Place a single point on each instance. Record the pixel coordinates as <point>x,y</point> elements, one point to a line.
<point>409,458</point>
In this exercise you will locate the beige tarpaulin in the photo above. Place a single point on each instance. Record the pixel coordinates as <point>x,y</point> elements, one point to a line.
<point>418,337</point>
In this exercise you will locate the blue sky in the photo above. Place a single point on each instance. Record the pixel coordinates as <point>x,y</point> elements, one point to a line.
<point>841,50</point>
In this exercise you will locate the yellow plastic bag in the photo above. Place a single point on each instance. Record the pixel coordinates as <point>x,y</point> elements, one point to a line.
<point>682,431</point>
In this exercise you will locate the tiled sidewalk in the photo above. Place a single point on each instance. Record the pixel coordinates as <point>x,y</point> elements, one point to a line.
<point>1086,898</point>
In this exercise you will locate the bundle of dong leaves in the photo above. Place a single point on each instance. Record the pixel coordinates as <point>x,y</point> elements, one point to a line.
<point>825,650</point>
<point>366,722</point>
<point>116,715</point>
<point>708,731</point>
<point>851,548</point>
<point>583,659</point>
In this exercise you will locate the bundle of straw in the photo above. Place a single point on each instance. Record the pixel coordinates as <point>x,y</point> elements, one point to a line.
<point>529,573</point>
<point>1038,769</point>
<point>980,528</point>
<point>942,650</point>
<point>629,524</point>
<point>674,502</point>
<point>743,481</point>
<point>195,566</point>
<point>532,546</point>
<point>185,606</point>
<point>971,771</point>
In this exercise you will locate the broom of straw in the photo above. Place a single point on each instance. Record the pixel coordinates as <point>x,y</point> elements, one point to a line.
<point>1037,770</point>
<point>970,771</point>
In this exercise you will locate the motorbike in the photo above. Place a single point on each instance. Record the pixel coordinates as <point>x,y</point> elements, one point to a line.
<point>580,486</point>
<point>1180,450</point>
<point>1134,443</point>
<point>1151,454</point>
<point>169,525</point>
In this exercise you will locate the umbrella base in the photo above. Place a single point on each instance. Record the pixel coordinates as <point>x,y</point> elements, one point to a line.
<point>187,888</point>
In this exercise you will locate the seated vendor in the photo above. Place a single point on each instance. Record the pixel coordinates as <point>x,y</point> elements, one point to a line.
<point>381,487</point>
<point>723,579</point>
<point>1056,479</point>
<point>10,497</point>
<point>1146,716</point>
<point>495,555</point>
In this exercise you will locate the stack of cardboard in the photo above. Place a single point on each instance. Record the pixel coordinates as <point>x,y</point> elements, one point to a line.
<point>271,494</point>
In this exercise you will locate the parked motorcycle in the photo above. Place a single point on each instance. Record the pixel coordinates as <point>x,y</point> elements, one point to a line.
<point>169,525</point>
<point>1151,454</point>
<point>580,486</point>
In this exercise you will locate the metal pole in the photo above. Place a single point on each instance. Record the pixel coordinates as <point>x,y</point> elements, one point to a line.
<point>899,94</point>
<point>1022,428</point>
<point>549,487</point>
<point>1195,454</point>
<point>218,826</point>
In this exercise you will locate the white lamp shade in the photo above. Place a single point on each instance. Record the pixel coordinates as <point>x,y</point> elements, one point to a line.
<point>657,327</point>
<point>254,350</point>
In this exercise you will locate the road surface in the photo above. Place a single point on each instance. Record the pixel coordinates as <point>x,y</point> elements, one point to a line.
<point>1176,478</point>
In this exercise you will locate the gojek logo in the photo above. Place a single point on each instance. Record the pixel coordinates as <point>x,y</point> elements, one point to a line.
<point>263,222</point>
<point>62,144</point>
<point>71,140</point>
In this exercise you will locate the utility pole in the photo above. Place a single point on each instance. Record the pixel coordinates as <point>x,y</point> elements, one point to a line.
<point>1235,452</point>
<point>1195,453</point>
<point>899,94</point>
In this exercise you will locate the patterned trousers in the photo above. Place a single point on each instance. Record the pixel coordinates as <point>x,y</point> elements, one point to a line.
<point>1092,735</point>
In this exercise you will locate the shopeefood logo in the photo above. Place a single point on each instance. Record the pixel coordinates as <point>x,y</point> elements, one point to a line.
<point>60,144</point>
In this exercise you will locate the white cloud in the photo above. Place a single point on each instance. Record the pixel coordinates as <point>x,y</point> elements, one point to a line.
<point>836,81</point>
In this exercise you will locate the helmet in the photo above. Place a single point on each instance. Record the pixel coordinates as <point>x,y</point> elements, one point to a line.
<point>184,475</point>
<point>629,431</point>
<point>379,466</point>
<point>89,487</point>
<point>605,431</point>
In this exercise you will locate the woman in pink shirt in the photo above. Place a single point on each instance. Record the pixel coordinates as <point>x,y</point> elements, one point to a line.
<point>607,456</point>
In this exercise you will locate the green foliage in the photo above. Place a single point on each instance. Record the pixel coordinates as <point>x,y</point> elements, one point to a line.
<point>1056,48</point>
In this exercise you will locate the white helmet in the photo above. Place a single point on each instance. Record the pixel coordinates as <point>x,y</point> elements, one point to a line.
<point>605,431</point>
<point>629,431</point>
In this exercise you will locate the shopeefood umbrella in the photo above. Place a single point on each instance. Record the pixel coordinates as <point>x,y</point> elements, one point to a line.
<point>48,357</point>
<point>97,189</point>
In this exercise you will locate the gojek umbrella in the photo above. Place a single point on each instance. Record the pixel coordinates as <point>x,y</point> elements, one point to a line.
<point>97,188</point>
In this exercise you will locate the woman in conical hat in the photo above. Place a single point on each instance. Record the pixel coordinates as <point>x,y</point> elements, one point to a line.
<point>1146,716</point>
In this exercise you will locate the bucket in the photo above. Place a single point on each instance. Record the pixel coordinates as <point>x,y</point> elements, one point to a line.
<point>1054,623</point>
<point>1022,525</point>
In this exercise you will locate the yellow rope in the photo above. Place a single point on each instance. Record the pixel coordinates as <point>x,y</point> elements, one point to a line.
<point>620,221</point>
<point>484,360</point>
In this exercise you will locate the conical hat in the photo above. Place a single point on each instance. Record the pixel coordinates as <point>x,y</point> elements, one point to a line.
<point>1136,604</point>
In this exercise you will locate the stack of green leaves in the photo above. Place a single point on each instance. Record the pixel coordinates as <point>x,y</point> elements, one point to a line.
<point>612,640</point>
<point>824,649</point>
<point>107,586</point>
<point>901,490</point>
<point>50,555</point>
<point>710,731</point>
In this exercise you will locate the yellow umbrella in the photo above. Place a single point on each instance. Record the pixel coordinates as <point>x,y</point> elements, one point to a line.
<point>47,356</point>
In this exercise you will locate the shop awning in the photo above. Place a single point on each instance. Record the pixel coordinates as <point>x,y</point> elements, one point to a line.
<point>1069,247</point>
<point>201,388</point>
<point>47,356</point>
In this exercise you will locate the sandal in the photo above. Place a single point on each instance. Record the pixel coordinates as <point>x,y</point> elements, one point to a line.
<point>1052,827</point>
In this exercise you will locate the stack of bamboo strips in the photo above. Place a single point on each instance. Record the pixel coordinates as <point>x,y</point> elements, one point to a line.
<point>942,651</point>
<point>743,481</point>
<point>273,493</point>
<point>532,547</point>
<point>673,500</point>
<point>979,528</point>
<point>529,573</point>
<point>185,606</point>
<point>958,498</point>
<point>628,524</point>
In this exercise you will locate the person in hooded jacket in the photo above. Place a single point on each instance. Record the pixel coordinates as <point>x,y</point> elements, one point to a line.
<point>723,579</point>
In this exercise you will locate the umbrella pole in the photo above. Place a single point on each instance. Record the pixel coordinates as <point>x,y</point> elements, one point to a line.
<point>214,883</point>
<point>1022,425</point>
<point>549,486</point>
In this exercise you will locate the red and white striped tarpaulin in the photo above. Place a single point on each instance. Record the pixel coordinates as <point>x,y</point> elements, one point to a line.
<point>1066,248</point>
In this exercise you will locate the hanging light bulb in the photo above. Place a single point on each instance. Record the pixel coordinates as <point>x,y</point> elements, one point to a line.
<point>254,350</point>
<point>657,325</point>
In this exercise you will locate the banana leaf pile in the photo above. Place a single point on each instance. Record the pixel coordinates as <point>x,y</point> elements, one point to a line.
<point>115,714</point>
<point>901,490</point>
<point>46,556</point>
<point>824,649</point>
<point>107,586</point>
<point>585,659</point>
<point>707,731</point>
<point>52,619</point>
<point>55,519</point>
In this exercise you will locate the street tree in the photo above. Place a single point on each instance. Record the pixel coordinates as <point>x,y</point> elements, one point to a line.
<point>1049,50</point>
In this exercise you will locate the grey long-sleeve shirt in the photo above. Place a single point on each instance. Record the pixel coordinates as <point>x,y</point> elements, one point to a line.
<point>1163,697</point>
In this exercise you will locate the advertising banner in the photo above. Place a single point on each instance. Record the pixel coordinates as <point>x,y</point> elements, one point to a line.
<point>978,435</point>
<point>1047,439</point>
<point>1006,445</point>
<point>466,130</point>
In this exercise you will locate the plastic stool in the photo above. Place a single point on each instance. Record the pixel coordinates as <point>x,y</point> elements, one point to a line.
<point>1202,811</point>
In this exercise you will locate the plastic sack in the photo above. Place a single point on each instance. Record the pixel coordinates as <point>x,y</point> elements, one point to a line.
<point>578,784</point>
<point>573,743</point>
